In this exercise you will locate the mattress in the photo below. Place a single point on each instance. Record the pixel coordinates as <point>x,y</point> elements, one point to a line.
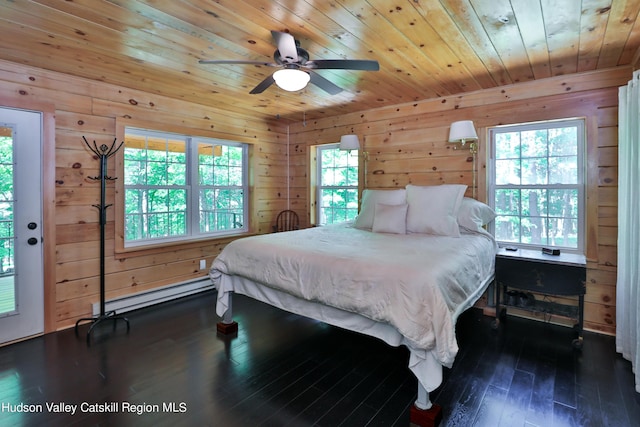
<point>405,289</point>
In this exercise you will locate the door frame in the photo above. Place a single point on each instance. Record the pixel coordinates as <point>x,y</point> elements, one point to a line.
<point>48,201</point>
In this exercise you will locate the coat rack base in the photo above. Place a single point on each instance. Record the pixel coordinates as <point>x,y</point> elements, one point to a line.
<point>109,315</point>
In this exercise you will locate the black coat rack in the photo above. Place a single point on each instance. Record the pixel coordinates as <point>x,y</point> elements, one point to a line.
<point>103,152</point>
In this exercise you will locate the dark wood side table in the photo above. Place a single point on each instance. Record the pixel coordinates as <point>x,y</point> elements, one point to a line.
<point>523,272</point>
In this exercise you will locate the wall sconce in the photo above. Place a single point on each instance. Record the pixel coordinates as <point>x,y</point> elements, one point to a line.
<point>462,132</point>
<point>349,142</point>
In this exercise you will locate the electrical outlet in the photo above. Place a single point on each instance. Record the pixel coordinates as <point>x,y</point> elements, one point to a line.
<point>203,264</point>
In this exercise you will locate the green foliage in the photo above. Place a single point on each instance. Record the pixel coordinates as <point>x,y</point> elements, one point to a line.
<point>338,195</point>
<point>157,192</point>
<point>6,203</point>
<point>536,198</point>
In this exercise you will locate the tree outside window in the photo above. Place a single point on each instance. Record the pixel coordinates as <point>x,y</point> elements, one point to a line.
<point>179,187</point>
<point>6,206</point>
<point>337,198</point>
<point>537,184</point>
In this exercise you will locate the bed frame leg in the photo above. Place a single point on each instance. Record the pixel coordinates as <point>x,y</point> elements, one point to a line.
<point>227,326</point>
<point>424,413</point>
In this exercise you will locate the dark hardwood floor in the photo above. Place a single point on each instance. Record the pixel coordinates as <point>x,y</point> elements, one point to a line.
<point>284,370</point>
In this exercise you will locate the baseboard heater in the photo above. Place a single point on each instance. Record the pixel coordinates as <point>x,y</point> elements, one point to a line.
<point>155,296</point>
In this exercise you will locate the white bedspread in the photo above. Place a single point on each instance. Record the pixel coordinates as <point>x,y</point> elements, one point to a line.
<point>416,283</point>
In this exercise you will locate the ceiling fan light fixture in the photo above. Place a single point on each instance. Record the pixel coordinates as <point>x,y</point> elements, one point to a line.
<point>291,79</point>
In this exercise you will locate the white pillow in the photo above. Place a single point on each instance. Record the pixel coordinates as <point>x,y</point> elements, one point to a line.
<point>434,209</point>
<point>370,198</point>
<point>390,219</point>
<point>473,214</point>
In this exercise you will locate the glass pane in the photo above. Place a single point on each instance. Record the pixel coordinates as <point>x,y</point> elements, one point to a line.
<point>508,172</point>
<point>539,158</point>
<point>534,171</point>
<point>221,209</point>
<point>563,203</point>
<point>221,176</point>
<point>507,145</point>
<point>177,200</point>
<point>177,223</point>
<point>563,141</point>
<point>7,238</point>
<point>328,158</point>
<point>563,170</point>
<point>534,202</point>
<point>534,230</point>
<point>339,170</point>
<point>235,176</point>
<point>507,228</point>
<point>507,202</point>
<point>133,201</point>
<point>328,176</point>
<point>205,173</point>
<point>235,156</point>
<point>7,250</point>
<point>157,200</point>
<point>177,174</point>
<point>534,143</point>
<point>157,165</point>
<point>133,227</point>
<point>563,232</point>
<point>135,172</point>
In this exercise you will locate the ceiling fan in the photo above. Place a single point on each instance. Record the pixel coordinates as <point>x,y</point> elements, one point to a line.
<point>296,70</point>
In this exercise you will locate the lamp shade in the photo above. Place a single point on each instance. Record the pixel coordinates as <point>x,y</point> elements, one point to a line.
<point>291,79</point>
<point>349,142</point>
<point>462,131</point>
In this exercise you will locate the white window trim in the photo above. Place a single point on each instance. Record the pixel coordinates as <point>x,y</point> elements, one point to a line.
<point>580,123</point>
<point>319,186</point>
<point>193,213</point>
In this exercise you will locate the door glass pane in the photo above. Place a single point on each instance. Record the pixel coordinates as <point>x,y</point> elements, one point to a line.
<point>7,282</point>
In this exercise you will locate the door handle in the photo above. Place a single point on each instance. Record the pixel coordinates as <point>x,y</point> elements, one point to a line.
<point>32,241</point>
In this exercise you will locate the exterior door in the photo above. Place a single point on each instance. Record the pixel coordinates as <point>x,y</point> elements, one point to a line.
<point>21,258</point>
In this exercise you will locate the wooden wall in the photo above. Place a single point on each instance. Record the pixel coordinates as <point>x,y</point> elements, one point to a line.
<point>407,144</point>
<point>91,109</point>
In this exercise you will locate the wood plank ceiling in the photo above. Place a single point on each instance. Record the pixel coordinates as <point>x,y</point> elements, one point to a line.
<point>426,48</point>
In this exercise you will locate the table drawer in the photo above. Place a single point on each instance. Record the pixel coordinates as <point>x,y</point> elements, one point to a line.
<point>545,278</point>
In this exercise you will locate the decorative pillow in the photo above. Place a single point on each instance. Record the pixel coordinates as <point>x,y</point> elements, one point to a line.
<point>434,209</point>
<point>390,219</point>
<point>473,214</point>
<point>370,198</point>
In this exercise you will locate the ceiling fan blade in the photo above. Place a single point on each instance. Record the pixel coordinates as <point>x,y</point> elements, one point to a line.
<point>325,84</point>
<point>231,62</point>
<point>286,46</point>
<point>263,85</point>
<point>343,64</point>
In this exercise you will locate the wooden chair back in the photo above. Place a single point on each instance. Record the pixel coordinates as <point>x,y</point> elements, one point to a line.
<point>286,220</point>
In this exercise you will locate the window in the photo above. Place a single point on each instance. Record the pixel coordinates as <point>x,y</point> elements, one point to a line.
<point>178,187</point>
<point>536,184</point>
<point>337,189</point>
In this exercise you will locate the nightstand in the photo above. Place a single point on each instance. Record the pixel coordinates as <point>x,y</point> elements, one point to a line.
<point>523,272</point>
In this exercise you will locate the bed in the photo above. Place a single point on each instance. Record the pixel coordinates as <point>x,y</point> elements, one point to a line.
<point>384,275</point>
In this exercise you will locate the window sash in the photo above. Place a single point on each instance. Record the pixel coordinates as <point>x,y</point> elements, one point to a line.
<point>177,207</point>
<point>329,196</point>
<point>531,213</point>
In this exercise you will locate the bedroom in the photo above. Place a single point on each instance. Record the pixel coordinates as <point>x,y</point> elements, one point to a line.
<point>69,67</point>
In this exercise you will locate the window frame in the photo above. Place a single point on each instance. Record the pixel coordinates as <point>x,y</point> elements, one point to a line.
<point>319,187</point>
<point>580,186</point>
<point>192,210</point>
